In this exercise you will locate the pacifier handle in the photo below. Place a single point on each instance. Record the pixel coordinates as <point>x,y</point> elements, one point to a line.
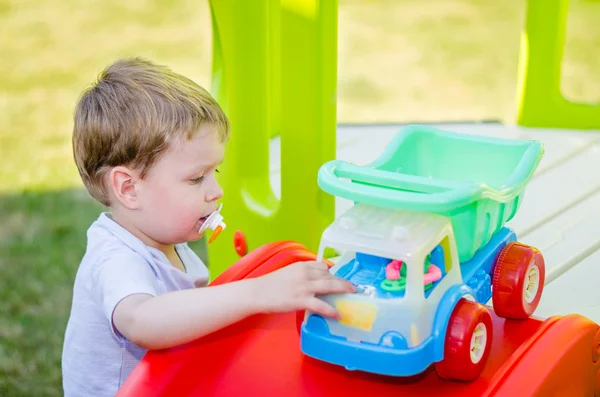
<point>215,223</point>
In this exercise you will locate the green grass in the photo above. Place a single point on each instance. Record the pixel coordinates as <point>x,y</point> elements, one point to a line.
<point>398,61</point>
<point>42,240</point>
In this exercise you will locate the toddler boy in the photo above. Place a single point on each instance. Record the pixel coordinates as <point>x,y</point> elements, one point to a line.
<point>147,143</point>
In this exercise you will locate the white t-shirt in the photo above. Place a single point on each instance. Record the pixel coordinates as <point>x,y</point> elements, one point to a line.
<point>96,359</point>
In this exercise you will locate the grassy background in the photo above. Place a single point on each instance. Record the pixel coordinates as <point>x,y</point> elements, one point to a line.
<point>398,61</point>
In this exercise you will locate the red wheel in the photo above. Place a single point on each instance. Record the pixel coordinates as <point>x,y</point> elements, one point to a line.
<point>468,342</point>
<point>518,281</point>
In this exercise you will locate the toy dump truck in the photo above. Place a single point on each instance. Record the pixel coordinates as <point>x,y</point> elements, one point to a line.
<point>426,246</point>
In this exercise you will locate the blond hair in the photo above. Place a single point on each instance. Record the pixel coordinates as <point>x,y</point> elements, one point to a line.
<point>131,115</point>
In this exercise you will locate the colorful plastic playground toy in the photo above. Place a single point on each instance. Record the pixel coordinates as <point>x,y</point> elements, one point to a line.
<point>426,246</point>
<point>291,48</point>
<point>418,302</point>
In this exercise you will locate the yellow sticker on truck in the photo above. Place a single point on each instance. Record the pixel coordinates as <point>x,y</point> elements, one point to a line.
<point>357,314</point>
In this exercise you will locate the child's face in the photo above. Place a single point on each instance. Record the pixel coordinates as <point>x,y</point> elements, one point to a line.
<point>180,190</point>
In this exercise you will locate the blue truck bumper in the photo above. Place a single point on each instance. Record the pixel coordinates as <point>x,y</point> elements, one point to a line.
<point>397,360</point>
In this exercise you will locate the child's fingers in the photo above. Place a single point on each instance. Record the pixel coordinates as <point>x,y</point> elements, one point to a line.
<point>331,285</point>
<point>321,307</point>
<point>315,274</point>
<point>319,266</point>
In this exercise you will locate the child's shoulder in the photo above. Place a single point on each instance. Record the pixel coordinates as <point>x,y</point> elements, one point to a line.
<point>106,239</point>
<point>114,258</point>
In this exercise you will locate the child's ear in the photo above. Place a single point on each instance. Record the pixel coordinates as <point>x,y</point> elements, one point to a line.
<point>123,183</point>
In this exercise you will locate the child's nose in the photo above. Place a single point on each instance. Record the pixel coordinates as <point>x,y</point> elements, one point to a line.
<point>215,192</point>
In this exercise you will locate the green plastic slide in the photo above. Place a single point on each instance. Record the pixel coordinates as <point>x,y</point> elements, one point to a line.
<point>275,74</point>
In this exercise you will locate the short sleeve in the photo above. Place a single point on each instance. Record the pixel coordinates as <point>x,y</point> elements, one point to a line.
<point>119,274</point>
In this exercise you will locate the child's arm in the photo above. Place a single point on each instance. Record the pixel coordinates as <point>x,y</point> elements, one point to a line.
<point>179,317</point>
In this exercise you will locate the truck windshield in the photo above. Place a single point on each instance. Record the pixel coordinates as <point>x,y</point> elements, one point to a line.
<point>383,277</point>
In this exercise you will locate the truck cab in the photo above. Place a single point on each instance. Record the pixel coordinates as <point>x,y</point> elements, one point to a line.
<point>402,264</point>
<point>372,240</point>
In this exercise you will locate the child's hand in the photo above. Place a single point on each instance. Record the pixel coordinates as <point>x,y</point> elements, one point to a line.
<point>294,288</point>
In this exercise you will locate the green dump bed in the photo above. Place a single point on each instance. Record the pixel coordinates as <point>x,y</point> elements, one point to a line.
<point>476,181</point>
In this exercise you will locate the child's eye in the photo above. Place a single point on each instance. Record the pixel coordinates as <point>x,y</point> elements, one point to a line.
<point>198,180</point>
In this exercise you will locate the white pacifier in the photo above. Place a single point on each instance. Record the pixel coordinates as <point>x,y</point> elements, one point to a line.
<point>215,223</point>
